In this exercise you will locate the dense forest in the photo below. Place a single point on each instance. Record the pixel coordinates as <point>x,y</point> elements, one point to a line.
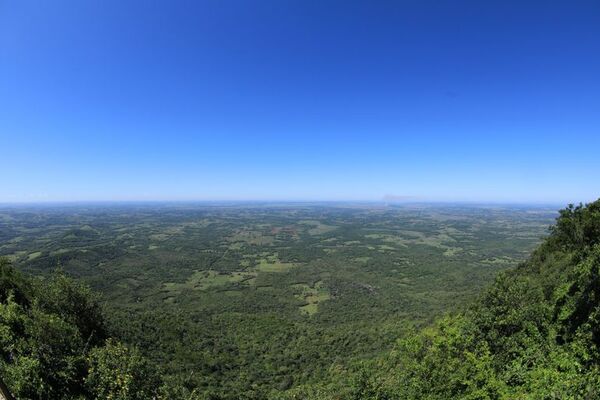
<point>532,334</point>
<point>54,343</point>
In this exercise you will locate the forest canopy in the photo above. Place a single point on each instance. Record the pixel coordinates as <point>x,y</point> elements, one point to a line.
<point>54,343</point>
<point>533,333</point>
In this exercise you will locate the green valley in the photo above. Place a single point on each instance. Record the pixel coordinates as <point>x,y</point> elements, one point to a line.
<point>263,300</point>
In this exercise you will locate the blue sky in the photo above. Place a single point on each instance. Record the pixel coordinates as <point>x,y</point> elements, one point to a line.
<point>300,100</point>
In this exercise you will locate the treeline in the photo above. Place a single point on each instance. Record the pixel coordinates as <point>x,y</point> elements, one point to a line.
<point>534,334</point>
<point>55,344</point>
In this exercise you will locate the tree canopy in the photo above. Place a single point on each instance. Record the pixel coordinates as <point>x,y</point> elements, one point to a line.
<point>534,333</point>
<point>54,343</point>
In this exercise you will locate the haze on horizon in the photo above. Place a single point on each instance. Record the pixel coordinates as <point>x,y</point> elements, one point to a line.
<point>268,100</point>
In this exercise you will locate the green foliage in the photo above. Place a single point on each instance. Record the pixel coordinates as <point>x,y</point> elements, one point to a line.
<point>261,301</point>
<point>217,324</point>
<point>52,341</point>
<point>533,334</point>
<point>578,227</point>
<point>12,283</point>
<point>119,373</point>
<point>578,301</point>
<point>75,303</point>
<point>40,350</point>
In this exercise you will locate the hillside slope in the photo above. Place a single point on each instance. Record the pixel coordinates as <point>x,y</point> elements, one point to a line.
<point>534,334</point>
<point>54,344</point>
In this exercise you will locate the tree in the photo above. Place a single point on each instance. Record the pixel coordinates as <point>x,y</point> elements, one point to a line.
<point>117,372</point>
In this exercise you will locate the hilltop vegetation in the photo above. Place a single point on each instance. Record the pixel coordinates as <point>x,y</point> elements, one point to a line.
<point>255,302</point>
<point>54,344</point>
<point>534,334</point>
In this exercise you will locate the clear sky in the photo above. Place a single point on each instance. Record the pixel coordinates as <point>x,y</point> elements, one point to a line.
<point>300,100</point>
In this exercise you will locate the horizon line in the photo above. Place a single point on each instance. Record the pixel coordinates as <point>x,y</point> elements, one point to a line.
<point>549,203</point>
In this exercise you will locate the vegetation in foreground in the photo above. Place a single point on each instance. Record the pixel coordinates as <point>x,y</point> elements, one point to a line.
<point>54,344</point>
<point>250,301</point>
<point>533,334</point>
